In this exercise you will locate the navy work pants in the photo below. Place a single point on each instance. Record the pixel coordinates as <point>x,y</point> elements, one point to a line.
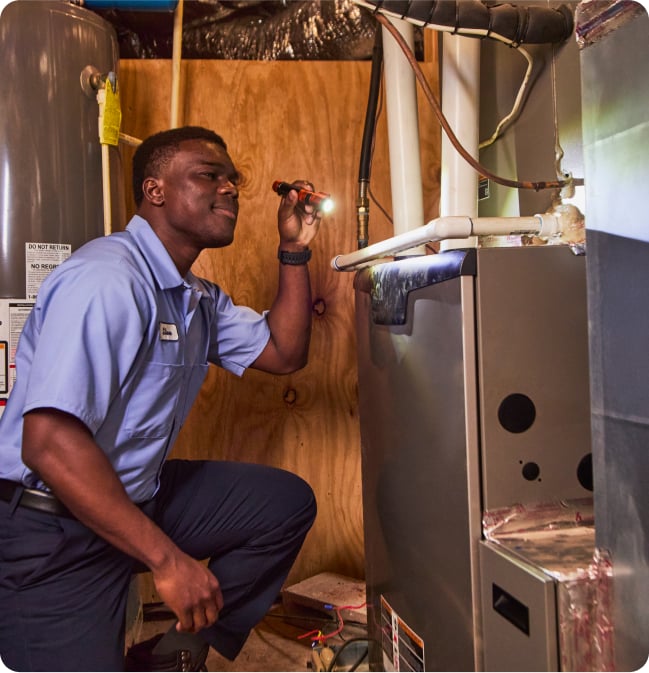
<point>63,590</point>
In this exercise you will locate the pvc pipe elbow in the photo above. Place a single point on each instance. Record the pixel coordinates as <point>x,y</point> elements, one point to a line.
<point>549,225</point>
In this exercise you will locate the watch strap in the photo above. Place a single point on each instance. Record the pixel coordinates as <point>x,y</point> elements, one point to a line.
<point>294,258</point>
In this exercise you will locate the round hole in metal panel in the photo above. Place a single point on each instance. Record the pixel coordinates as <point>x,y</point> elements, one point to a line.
<point>531,471</point>
<point>585,472</point>
<point>516,412</point>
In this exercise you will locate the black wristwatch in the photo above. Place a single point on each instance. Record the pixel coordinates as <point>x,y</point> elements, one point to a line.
<point>294,258</point>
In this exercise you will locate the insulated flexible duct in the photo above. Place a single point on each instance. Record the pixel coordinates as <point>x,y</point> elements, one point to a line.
<point>512,24</point>
<point>262,30</point>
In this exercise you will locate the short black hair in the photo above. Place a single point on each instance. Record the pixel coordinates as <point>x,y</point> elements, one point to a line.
<point>154,152</point>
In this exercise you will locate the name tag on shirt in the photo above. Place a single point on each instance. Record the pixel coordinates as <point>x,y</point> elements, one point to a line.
<point>168,332</point>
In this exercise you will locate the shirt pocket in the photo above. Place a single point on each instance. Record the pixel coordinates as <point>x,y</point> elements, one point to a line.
<point>152,408</point>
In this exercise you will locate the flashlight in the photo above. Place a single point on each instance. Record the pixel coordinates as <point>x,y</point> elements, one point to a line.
<point>319,200</point>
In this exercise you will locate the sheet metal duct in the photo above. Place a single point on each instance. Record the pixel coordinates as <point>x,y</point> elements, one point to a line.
<point>615,90</point>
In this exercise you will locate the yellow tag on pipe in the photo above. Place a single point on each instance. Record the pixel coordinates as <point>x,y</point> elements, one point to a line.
<point>112,117</point>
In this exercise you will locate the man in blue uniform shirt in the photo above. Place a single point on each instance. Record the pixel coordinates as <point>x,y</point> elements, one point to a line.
<point>108,366</point>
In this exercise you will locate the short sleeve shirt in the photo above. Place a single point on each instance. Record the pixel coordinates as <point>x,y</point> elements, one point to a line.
<point>120,340</point>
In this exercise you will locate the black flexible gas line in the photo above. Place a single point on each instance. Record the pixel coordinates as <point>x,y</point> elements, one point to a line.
<point>365,165</point>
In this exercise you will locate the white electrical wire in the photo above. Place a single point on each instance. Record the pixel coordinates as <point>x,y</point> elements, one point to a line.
<point>517,103</point>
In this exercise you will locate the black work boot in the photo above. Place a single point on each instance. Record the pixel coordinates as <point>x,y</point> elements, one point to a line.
<point>140,657</point>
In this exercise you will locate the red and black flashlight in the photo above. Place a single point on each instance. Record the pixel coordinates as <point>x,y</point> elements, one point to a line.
<point>319,200</point>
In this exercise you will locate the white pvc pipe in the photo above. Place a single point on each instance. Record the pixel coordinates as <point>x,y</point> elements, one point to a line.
<point>176,57</point>
<point>460,105</point>
<point>129,140</point>
<point>452,227</point>
<point>403,132</point>
<point>105,165</point>
<point>105,182</point>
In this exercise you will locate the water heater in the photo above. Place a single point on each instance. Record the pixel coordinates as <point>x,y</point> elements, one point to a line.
<point>50,155</point>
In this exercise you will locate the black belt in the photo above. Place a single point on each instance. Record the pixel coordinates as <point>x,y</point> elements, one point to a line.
<point>33,499</point>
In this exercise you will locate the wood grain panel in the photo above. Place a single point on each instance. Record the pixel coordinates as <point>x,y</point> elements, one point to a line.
<point>286,120</point>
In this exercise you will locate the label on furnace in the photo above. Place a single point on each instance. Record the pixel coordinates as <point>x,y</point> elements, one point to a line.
<point>403,649</point>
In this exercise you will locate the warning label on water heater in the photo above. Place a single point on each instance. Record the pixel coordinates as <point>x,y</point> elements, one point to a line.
<point>13,314</point>
<point>4,367</point>
<point>40,260</point>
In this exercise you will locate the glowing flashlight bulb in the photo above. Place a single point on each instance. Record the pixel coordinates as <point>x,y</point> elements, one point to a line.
<point>326,205</point>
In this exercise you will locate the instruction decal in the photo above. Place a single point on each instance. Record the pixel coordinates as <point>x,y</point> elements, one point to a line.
<point>4,367</point>
<point>40,260</point>
<point>13,314</point>
<point>403,649</point>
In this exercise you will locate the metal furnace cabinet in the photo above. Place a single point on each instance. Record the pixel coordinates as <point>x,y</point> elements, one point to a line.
<point>474,396</point>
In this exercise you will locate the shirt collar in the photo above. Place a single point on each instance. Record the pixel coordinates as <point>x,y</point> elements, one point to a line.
<point>162,266</point>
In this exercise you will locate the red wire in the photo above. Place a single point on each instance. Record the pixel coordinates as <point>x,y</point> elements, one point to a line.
<point>322,637</point>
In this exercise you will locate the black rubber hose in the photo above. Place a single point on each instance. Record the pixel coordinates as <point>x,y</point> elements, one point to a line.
<point>365,164</point>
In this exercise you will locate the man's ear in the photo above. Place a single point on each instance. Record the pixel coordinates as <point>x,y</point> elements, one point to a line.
<point>153,192</point>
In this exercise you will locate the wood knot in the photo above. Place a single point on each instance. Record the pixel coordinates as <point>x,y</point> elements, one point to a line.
<point>290,396</point>
<point>319,306</point>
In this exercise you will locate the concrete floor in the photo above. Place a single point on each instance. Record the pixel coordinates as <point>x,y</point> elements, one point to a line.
<point>274,645</point>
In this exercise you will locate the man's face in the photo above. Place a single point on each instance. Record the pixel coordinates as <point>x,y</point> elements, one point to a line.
<point>200,196</point>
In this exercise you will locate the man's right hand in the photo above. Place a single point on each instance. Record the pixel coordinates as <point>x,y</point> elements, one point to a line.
<point>191,591</point>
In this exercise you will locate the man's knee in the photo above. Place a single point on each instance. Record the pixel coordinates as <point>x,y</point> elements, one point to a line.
<point>310,505</point>
<point>300,500</point>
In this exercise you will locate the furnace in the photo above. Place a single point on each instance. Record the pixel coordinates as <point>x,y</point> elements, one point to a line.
<point>474,405</point>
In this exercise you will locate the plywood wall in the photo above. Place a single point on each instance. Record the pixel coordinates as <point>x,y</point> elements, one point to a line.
<point>286,120</point>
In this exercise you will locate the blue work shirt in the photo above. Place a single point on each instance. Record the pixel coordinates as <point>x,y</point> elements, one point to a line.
<point>120,340</point>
